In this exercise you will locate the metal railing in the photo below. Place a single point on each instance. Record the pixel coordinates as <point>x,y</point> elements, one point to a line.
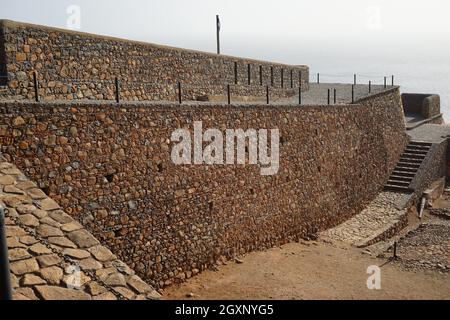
<point>5,280</point>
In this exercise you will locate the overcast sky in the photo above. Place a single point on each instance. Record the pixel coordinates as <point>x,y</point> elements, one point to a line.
<point>266,29</point>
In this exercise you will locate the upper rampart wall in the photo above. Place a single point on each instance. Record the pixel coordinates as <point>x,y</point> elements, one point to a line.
<point>72,65</point>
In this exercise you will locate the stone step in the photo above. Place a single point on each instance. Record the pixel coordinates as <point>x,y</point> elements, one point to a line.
<point>390,187</point>
<point>420,144</point>
<point>423,151</point>
<point>405,164</point>
<point>407,169</point>
<point>413,156</point>
<point>400,173</point>
<point>400,178</point>
<point>398,183</point>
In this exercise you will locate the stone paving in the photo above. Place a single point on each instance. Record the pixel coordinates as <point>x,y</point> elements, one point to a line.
<point>427,247</point>
<point>378,221</point>
<point>52,257</point>
<point>318,93</point>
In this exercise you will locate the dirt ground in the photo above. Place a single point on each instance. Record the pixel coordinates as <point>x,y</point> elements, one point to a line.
<point>311,270</point>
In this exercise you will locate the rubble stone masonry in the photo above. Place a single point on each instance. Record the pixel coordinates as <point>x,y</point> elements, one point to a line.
<point>73,66</point>
<point>109,166</point>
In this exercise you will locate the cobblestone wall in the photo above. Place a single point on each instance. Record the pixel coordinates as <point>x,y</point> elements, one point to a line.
<point>110,168</point>
<point>74,66</point>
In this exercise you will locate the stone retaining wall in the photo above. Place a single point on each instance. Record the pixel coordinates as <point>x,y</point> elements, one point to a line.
<point>110,168</point>
<point>428,105</point>
<point>52,257</point>
<point>72,65</point>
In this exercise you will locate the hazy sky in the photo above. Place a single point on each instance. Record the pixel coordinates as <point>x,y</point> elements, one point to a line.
<point>281,30</point>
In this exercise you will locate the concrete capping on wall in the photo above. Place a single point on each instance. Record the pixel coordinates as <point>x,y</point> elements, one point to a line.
<point>428,105</point>
<point>146,71</point>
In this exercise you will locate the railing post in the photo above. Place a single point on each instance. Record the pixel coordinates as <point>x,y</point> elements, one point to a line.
<point>392,80</point>
<point>36,86</point>
<point>300,78</point>
<point>267,95</point>
<point>282,78</point>
<point>370,86</point>
<point>300,94</point>
<point>328,99</point>
<point>228,94</point>
<point>5,280</point>
<point>180,98</point>
<point>318,78</point>
<point>117,90</point>
<point>292,79</point>
<point>385,82</point>
<point>249,74</point>
<point>235,73</point>
<point>354,79</point>
<point>334,98</point>
<point>260,75</point>
<point>271,76</point>
<point>353,93</point>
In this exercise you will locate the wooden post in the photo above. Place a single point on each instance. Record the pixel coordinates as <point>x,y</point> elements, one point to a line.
<point>370,86</point>
<point>228,94</point>
<point>354,79</point>
<point>235,73</point>
<point>318,78</point>
<point>36,86</point>
<point>180,99</point>
<point>385,82</point>
<point>249,74</point>
<point>392,80</point>
<point>282,78</point>
<point>267,95</point>
<point>334,96</point>
<point>328,99</point>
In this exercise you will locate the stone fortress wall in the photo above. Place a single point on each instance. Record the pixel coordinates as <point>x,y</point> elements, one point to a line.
<point>72,66</point>
<point>109,167</point>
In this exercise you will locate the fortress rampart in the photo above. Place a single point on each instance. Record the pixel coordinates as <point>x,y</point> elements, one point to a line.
<point>110,167</point>
<point>78,66</point>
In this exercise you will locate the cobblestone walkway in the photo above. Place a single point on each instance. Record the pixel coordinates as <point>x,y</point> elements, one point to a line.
<point>52,256</point>
<point>379,221</point>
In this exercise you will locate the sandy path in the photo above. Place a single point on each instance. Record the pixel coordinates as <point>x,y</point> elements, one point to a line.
<point>311,271</point>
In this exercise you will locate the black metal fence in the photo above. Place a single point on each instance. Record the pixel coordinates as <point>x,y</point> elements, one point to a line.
<point>118,90</point>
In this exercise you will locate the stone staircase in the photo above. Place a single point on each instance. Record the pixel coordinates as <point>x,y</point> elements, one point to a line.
<point>406,169</point>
